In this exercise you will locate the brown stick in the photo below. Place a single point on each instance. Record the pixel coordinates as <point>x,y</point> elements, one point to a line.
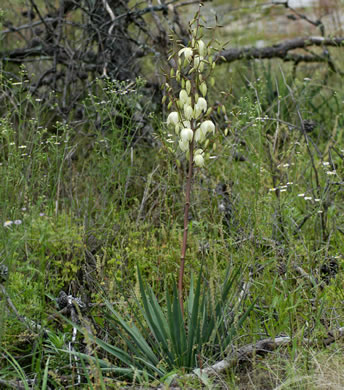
<point>185,234</point>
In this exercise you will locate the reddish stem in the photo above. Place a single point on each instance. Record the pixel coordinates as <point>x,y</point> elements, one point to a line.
<point>186,223</point>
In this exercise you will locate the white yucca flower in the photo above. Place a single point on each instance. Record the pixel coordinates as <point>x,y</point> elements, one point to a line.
<point>188,112</point>
<point>199,160</point>
<point>173,118</point>
<point>186,135</point>
<point>199,136</point>
<point>200,106</point>
<point>188,53</point>
<point>207,127</point>
<point>184,146</point>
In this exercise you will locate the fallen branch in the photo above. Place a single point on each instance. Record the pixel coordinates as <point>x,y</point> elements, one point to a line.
<point>247,352</point>
<point>280,50</point>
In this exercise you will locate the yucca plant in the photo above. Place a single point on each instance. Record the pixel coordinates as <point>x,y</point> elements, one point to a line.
<point>160,340</point>
<point>185,331</point>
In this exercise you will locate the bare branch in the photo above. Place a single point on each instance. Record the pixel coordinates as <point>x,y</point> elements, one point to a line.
<point>280,50</point>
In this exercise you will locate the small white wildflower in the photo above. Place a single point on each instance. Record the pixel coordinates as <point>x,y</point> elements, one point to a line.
<point>325,163</point>
<point>284,186</point>
<point>283,190</point>
<point>301,195</point>
<point>320,212</point>
<point>331,172</point>
<point>23,209</point>
<point>307,79</point>
<point>308,198</point>
<point>8,223</point>
<point>22,147</point>
<point>272,189</point>
<point>286,165</point>
<point>12,143</point>
<point>187,51</point>
<point>186,135</point>
<point>18,222</point>
<point>317,200</point>
<point>41,214</point>
<point>289,183</point>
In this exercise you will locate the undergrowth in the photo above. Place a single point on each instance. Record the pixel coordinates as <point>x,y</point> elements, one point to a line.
<point>82,205</point>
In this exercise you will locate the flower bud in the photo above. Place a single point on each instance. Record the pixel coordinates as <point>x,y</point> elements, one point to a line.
<point>197,61</point>
<point>188,87</point>
<point>183,96</point>
<point>173,118</point>
<point>201,48</point>
<point>186,135</point>
<point>203,88</point>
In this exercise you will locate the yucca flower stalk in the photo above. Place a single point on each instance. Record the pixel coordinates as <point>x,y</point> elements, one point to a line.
<point>158,340</point>
<point>190,117</point>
